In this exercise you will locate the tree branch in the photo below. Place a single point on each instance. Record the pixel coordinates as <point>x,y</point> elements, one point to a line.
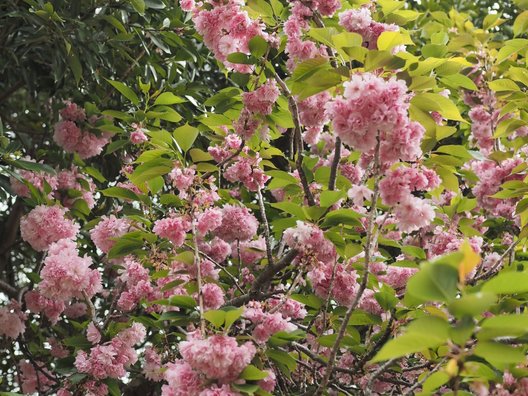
<point>297,138</point>
<point>266,226</point>
<point>335,164</point>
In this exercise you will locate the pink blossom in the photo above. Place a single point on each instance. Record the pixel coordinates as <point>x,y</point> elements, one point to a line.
<point>373,106</point>
<point>33,380</point>
<point>182,380</point>
<point>71,180</point>
<point>413,214</point>
<point>310,241</point>
<point>247,171</point>
<point>261,100</point>
<point>358,194</point>
<point>72,112</point>
<point>345,283</point>
<point>37,303</point>
<point>237,224</point>
<point>251,251</point>
<point>182,179</point>
<point>209,220</point>
<point>173,228</point>
<point>107,231</point>
<point>213,296</point>
<point>12,321</point>
<point>45,225</point>
<point>92,334</point>
<point>37,179</point>
<point>137,136</point>
<point>66,275</point>
<point>57,349</point>
<point>112,358</point>
<point>217,357</point>
<point>152,367</point>
<point>217,249</point>
<point>268,383</point>
<point>224,390</point>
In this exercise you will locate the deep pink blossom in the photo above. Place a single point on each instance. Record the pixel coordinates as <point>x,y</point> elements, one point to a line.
<point>107,231</point>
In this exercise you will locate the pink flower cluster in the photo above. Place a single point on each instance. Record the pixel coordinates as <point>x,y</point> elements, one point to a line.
<point>182,179</point>
<point>12,320</point>
<point>66,275</point>
<point>238,224</point>
<point>137,136</point>
<point>313,116</point>
<point>34,380</point>
<point>392,275</point>
<point>231,143</point>
<point>257,104</point>
<point>213,296</point>
<point>59,185</point>
<point>345,284</point>
<point>136,280</point>
<point>360,21</point>
<point>373,108</point>
<point>490,177</point>
<point>247,171</point>
<point>173,228</point>
<point>396,190</point>
<point>225,28</point>
<point>218,357</point>
<point>45,225</point>
<point>309,240</point>
<point>107,231</point>
<point>482,126</point>
<point>267,323</point>
<point>72,139</point>
<point>37,303</point>
<point>111,359</point>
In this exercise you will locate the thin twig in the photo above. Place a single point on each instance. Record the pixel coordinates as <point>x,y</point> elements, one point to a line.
<point>198,277</point>
<point>266,226</point>
<point>335,164</point>
<point>425,377</point>
<point>368,252</point>
<point>297,138</point>
<point>376,374</point>
<point>225,161</point>
<point>495,268</point>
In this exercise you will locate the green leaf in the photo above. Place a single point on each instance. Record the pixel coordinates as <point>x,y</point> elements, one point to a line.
<point>283,360</point>
<point>328,198</point>
<point>185,136</point>
<point>423,333</point>
<point>120,192</point>
<point>388,40</point>
<point>113,386</point>
<point>139,6</point>
<point>510,48</point>
<point>521,23</point>
<point>434,282</point>
<point>507,283</point>
<point>342,217</point>
<point>258,46</point>
<point>168,98</point>
<point>251,373</point>
<point>436,102</point>
<point>241,58</point>
<point>232,315</point>
<point>216,317</point>
<point>508,325</point>
<point>150,169</point>
<point>504,84</point>
<point>125,91</point>
<point>182,302</point>
<point>499,355</point>
<point>472,304</point>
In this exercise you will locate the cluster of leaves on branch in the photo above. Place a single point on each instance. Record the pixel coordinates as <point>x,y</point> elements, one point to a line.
<point>266,197</point>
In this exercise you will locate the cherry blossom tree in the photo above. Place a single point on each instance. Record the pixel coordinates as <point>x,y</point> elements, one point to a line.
<point>312,197</point>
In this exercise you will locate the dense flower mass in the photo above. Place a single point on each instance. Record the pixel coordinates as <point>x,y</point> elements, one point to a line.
<point>45,225</point>
<point>69,135</point>
<point>291,202</point>
<point>66,275</point>
<point>374,110</point>
<point>105,233</point>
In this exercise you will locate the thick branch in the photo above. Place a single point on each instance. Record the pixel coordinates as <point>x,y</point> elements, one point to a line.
<point>266,276</point>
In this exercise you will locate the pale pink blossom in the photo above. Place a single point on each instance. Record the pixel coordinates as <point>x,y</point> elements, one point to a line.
<point>107,231</point>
